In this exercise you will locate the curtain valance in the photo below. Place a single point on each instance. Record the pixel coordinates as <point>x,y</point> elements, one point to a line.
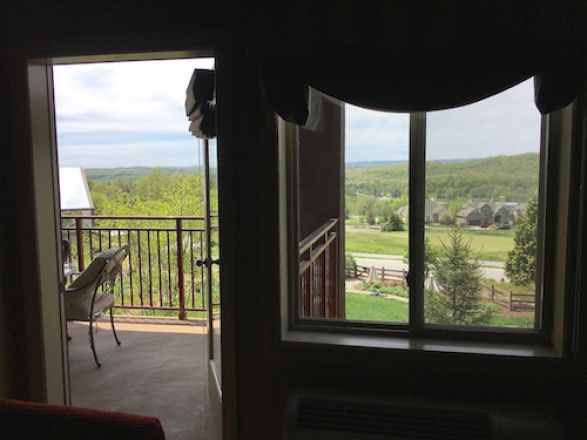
<point>399,57</point>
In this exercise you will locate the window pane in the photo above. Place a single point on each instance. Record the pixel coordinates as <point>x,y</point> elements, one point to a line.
<point>376,215</point>
<point>482,182</point>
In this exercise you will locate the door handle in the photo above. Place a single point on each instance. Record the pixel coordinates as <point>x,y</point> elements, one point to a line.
<point>207,261</point>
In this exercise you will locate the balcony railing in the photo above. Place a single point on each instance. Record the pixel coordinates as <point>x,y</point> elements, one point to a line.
<point>318,282</point>
<point>160,273</point>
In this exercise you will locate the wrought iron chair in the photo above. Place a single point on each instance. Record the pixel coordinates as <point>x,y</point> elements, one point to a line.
<point>92,292</point>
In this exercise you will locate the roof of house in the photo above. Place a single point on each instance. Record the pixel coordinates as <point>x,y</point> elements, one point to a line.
<point>403,211</point>
<point>465,212</point>
<point>73,190</point>
<point>430,208</point>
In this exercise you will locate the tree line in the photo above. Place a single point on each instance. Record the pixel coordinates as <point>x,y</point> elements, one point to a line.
<point>500,178</point>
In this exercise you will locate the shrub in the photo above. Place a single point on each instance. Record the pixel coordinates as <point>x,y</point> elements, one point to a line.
<point>392,222</point>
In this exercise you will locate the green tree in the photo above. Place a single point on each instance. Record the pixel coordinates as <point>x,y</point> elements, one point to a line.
<point>350,264</point>
<point>520,266</point>
<point>459,276</point>
<point>392,222</point>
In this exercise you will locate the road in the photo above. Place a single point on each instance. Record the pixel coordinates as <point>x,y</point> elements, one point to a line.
<point>492,269</point>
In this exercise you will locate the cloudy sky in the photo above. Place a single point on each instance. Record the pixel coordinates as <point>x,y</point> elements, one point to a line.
<point>505,124</point>
<point>132,114</point>
<point>124,114</point>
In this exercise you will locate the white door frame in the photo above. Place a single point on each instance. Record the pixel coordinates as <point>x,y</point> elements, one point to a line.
<point>47,221</point>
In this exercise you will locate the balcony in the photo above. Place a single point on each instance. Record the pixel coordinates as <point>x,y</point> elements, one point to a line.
<point>159,370</point>
<point>161,367</point>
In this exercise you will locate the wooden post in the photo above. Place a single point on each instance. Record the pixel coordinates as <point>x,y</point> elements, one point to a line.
<point>404,278</point>
<point>383,274</point>
<point>79,238</point>
<point>179,236</point>
<point>511,302</point>
<point>492,293</point>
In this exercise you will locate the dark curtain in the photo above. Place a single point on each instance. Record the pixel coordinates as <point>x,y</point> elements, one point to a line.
<point>398,56</point>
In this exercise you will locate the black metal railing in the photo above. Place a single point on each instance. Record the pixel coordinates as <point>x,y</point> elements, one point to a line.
<point>161,272</point>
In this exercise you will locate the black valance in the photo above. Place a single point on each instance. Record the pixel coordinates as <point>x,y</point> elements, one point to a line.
<point>396,57</point>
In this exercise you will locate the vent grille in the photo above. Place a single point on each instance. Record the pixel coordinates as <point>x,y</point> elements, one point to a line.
<point>399,422</point>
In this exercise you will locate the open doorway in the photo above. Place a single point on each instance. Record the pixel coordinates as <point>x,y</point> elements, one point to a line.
<point>145,184</point>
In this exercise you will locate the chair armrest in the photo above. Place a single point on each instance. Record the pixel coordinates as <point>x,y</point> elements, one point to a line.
<point>31,420</point>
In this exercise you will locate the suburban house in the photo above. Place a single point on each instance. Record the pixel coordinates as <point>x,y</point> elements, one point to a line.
<point>432,211</point>
<point>503,215</point>
<point>475,214</point>
<point>485,214</point>
<point>428,55</point>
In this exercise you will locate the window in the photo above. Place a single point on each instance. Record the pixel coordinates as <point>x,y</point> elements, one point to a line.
<point>429,224</point>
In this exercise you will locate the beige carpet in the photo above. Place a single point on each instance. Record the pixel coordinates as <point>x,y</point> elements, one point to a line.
<point>159,370</point>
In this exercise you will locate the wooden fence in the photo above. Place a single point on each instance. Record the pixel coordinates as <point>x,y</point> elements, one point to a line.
<point>514,301</point>
<point>508,299</point>
<point>377,274</point>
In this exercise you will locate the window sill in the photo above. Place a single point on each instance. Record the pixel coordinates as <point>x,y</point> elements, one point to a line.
<point>517,350</point>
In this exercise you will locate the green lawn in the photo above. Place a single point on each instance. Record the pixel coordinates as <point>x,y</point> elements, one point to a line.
<point>362,307</point>
<point>490,244</point>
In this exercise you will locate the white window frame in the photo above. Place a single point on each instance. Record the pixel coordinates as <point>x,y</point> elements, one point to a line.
<point>546,341</point>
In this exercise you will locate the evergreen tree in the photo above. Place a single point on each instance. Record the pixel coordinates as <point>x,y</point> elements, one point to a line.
<point>459,276</point>
<point>520,266</point>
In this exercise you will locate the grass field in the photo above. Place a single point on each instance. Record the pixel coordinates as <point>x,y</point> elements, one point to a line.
<point>363,307</point>
<point>489,244</point>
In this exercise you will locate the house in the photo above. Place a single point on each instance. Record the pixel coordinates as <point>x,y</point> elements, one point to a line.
<point>404,213</point>
<point>432,211</point>
<point>476,214</point>
<point>503,215</point>
<point>485,214</point>
<point>261,368</point>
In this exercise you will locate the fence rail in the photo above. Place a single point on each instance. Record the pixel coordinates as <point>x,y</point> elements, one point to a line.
<point>374,273</point>
<point>318,276</point>
<point>508,299</point>
<point>513,301</point>
<point>160,272</point>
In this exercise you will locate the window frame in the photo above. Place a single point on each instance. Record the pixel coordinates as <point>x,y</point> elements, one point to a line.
<point>554,184</point>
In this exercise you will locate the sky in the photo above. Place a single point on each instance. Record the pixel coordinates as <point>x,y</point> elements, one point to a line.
<point>128,114</point>
<point>504,124</point>
<point>124,114</point>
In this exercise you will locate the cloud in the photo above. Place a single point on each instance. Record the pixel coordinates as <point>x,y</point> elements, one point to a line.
<point>372,135</point>
<point>505,124</point>
<point>106,112</point>
<point>130,154</point>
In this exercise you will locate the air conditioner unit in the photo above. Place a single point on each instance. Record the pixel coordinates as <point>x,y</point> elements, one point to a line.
<point>330,418</point>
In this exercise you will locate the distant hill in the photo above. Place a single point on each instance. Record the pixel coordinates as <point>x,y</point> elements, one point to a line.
<point>371,164</point>
<point>106,174</point>
<point>379,163</point>
<point>511,178</point>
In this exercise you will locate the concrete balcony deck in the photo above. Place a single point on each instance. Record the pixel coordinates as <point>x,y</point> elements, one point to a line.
<point>159,370</point>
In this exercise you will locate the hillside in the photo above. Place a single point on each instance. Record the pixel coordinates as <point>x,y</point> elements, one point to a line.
<point>107,174</point>
<point>510,178</point>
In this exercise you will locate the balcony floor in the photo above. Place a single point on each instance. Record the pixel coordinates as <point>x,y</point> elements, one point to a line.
<point>159,370</point>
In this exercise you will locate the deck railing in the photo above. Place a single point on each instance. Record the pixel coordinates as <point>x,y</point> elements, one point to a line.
<point>318,276</point>
<point>160,273</point>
